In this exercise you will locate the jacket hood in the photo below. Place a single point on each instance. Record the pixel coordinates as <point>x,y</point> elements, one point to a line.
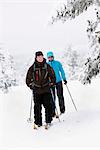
<point>49,54</point>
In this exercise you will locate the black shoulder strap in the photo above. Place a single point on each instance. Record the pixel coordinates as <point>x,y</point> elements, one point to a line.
<point>34,69</point>
<point>46,70</point>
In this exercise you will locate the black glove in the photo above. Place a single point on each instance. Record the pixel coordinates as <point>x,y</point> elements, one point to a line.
<point>31,86</point>
<point>51,85</point>
<point>65,82</point>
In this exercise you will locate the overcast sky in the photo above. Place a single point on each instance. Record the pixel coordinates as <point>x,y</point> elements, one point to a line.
<point>24,27</point>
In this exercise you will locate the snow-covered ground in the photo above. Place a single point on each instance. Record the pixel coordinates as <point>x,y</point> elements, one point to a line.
<point>76,129</point>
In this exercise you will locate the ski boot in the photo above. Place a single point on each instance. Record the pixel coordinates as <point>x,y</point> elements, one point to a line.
<point>47,126</point>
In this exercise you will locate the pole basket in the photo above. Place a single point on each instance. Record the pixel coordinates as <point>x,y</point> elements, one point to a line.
<point>29,120</point>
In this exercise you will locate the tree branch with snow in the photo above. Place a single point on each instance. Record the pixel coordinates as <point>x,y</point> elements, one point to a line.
<point>72,8</point>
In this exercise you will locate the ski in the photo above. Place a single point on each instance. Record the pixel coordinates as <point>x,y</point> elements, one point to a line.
<point>46,126</point>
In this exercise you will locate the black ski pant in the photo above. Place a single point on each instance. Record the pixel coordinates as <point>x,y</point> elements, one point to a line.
<point>59,89</point>
<point>45,100</point>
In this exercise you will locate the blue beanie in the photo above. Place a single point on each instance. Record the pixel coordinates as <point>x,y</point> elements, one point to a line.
<point>50,54</point>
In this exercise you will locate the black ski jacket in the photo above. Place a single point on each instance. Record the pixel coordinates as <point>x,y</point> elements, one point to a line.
<point>40,77</point>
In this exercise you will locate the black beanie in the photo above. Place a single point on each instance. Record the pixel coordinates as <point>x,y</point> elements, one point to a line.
<point>38,54</point>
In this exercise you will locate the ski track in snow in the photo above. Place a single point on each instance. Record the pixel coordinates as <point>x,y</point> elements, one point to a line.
<point>81,128</point>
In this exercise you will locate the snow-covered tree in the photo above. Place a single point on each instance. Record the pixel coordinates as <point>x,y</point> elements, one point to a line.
<point>71,62</point>
<point>92,65</point>
<point>69,9</point>
<point>7,71</point>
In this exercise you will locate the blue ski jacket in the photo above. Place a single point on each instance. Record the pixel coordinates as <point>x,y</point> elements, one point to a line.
<point>58,69</point>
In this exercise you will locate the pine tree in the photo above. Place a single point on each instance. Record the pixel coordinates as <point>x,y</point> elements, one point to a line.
<point>92,65</point>
<point>69,9</point>
<point>7,71</point>
<point>72,63</point>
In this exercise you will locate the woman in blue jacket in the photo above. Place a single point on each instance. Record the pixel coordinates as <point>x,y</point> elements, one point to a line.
<point>60,75</point>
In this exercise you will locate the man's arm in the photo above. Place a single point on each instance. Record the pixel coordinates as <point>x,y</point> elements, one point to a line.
<point>51,75</point>
<point>29,76</point>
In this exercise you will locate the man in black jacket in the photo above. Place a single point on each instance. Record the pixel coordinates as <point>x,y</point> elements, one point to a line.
<point>40,77</point>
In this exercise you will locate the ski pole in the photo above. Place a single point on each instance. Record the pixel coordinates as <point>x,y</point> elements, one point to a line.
<point>55,105</point>
<point>71,97</point>
<point>30,120</point>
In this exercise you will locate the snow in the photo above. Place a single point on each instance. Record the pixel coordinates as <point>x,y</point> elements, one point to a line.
<point>76,129</point>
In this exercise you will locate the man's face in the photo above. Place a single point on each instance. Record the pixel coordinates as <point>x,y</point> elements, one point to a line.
<point>39,58</point>
<point>50,58</point>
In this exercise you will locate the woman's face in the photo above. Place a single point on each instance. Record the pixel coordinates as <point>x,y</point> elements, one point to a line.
<point>50,58</point>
